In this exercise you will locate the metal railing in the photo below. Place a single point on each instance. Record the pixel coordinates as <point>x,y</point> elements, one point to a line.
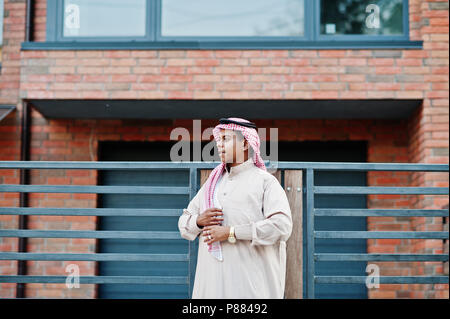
<point>193,167</point>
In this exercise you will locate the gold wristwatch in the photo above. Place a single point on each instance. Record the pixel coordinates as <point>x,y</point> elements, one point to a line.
<point>231,238</point>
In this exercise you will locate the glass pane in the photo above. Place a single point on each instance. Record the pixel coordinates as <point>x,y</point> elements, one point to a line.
<point>232,18</point>
<point>367,17</point>
<point>103,18</point>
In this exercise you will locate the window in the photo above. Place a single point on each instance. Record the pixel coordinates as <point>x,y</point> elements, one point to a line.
<point>361,17</point>
<point>103,18</point>
<point>219,18</point>
<point>231,24</point>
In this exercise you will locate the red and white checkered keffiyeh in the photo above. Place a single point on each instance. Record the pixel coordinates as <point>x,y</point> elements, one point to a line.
<point>252,137</point>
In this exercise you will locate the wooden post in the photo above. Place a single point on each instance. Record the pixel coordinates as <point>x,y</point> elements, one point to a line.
<point>294,245</point>
<point>204,174</point>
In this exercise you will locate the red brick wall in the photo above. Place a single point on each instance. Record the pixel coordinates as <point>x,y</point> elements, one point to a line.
<point>229,74</point>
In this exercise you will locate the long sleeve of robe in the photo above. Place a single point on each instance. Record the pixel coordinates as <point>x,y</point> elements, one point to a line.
<point>254,202</point>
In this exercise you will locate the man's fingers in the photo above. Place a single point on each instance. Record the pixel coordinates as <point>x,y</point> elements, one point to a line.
<point>209,241</point>
<point>215,213</point>
<point>213,210</point>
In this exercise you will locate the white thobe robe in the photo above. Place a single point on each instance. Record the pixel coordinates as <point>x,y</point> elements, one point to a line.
<point>254,202</point>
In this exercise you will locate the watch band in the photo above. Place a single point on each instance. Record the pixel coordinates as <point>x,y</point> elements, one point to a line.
<point>231,232</point>
<point>231,237</point>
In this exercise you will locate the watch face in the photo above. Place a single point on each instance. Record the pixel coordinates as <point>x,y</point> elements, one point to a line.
<point>232,240</point>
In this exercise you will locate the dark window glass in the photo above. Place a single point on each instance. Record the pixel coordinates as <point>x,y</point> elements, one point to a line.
<point>232,18</point>
<point>361,17</point>
<point>103,18</point>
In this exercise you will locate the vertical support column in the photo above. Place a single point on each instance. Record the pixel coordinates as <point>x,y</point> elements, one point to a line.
<point>23,200</point>
<point>294,246</point>
<point>310,232</point>
<point>193,245</point>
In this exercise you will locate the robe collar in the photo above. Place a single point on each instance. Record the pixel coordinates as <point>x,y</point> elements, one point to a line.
<point>240,168</point>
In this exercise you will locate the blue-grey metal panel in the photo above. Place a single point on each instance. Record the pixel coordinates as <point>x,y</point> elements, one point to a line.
<point>381,234</point>
<point>160,178</point>
<point>381,257</point>
<point>49,211</point>
<point>379,212</point>
<point>94,257</point>
<point>383,279</point>
<point>151,223</point>
<point>290,165</point>
<point>142,234</point>
<point>94,189</point>
<point>340,152</point>
<point>193,245</point>
<point>138,281</point>
<point>348,223</point>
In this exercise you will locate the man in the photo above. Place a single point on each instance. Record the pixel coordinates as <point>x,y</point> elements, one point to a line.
<point>244,219</point>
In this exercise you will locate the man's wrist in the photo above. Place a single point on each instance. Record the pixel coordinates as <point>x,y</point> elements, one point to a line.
<point>196,224</point>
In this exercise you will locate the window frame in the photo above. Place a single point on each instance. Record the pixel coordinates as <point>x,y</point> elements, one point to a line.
<point>312,39</point>
<point>361,37</point>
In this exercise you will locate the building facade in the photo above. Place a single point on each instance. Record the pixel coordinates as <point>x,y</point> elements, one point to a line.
<point>341,80</point>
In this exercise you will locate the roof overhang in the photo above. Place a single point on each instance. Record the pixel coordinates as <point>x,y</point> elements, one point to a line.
<point>252,109</point>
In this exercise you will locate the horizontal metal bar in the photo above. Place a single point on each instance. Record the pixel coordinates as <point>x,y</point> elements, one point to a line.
<point>382,279</point>
<point>379,212</point>
<point>144,212</point>
<point>382,234</point>
<point>355,166</point>
<point>94,257</point>
<point>125,189</point>
<point>118,234</point>
<point>170,280</point>
<point>380,257</point>
<point>101,165</point>
<point>380,190</point>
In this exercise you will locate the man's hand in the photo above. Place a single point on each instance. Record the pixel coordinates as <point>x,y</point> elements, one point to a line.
<point>209,217</point>
<point>217,233</point>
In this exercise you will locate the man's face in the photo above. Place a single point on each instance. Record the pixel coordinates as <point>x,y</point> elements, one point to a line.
<point>231,148</point>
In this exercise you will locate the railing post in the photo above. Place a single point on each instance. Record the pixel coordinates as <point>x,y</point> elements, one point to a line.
<point>310,233</point>
<point>23,200</point>
<point>193,245</point>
